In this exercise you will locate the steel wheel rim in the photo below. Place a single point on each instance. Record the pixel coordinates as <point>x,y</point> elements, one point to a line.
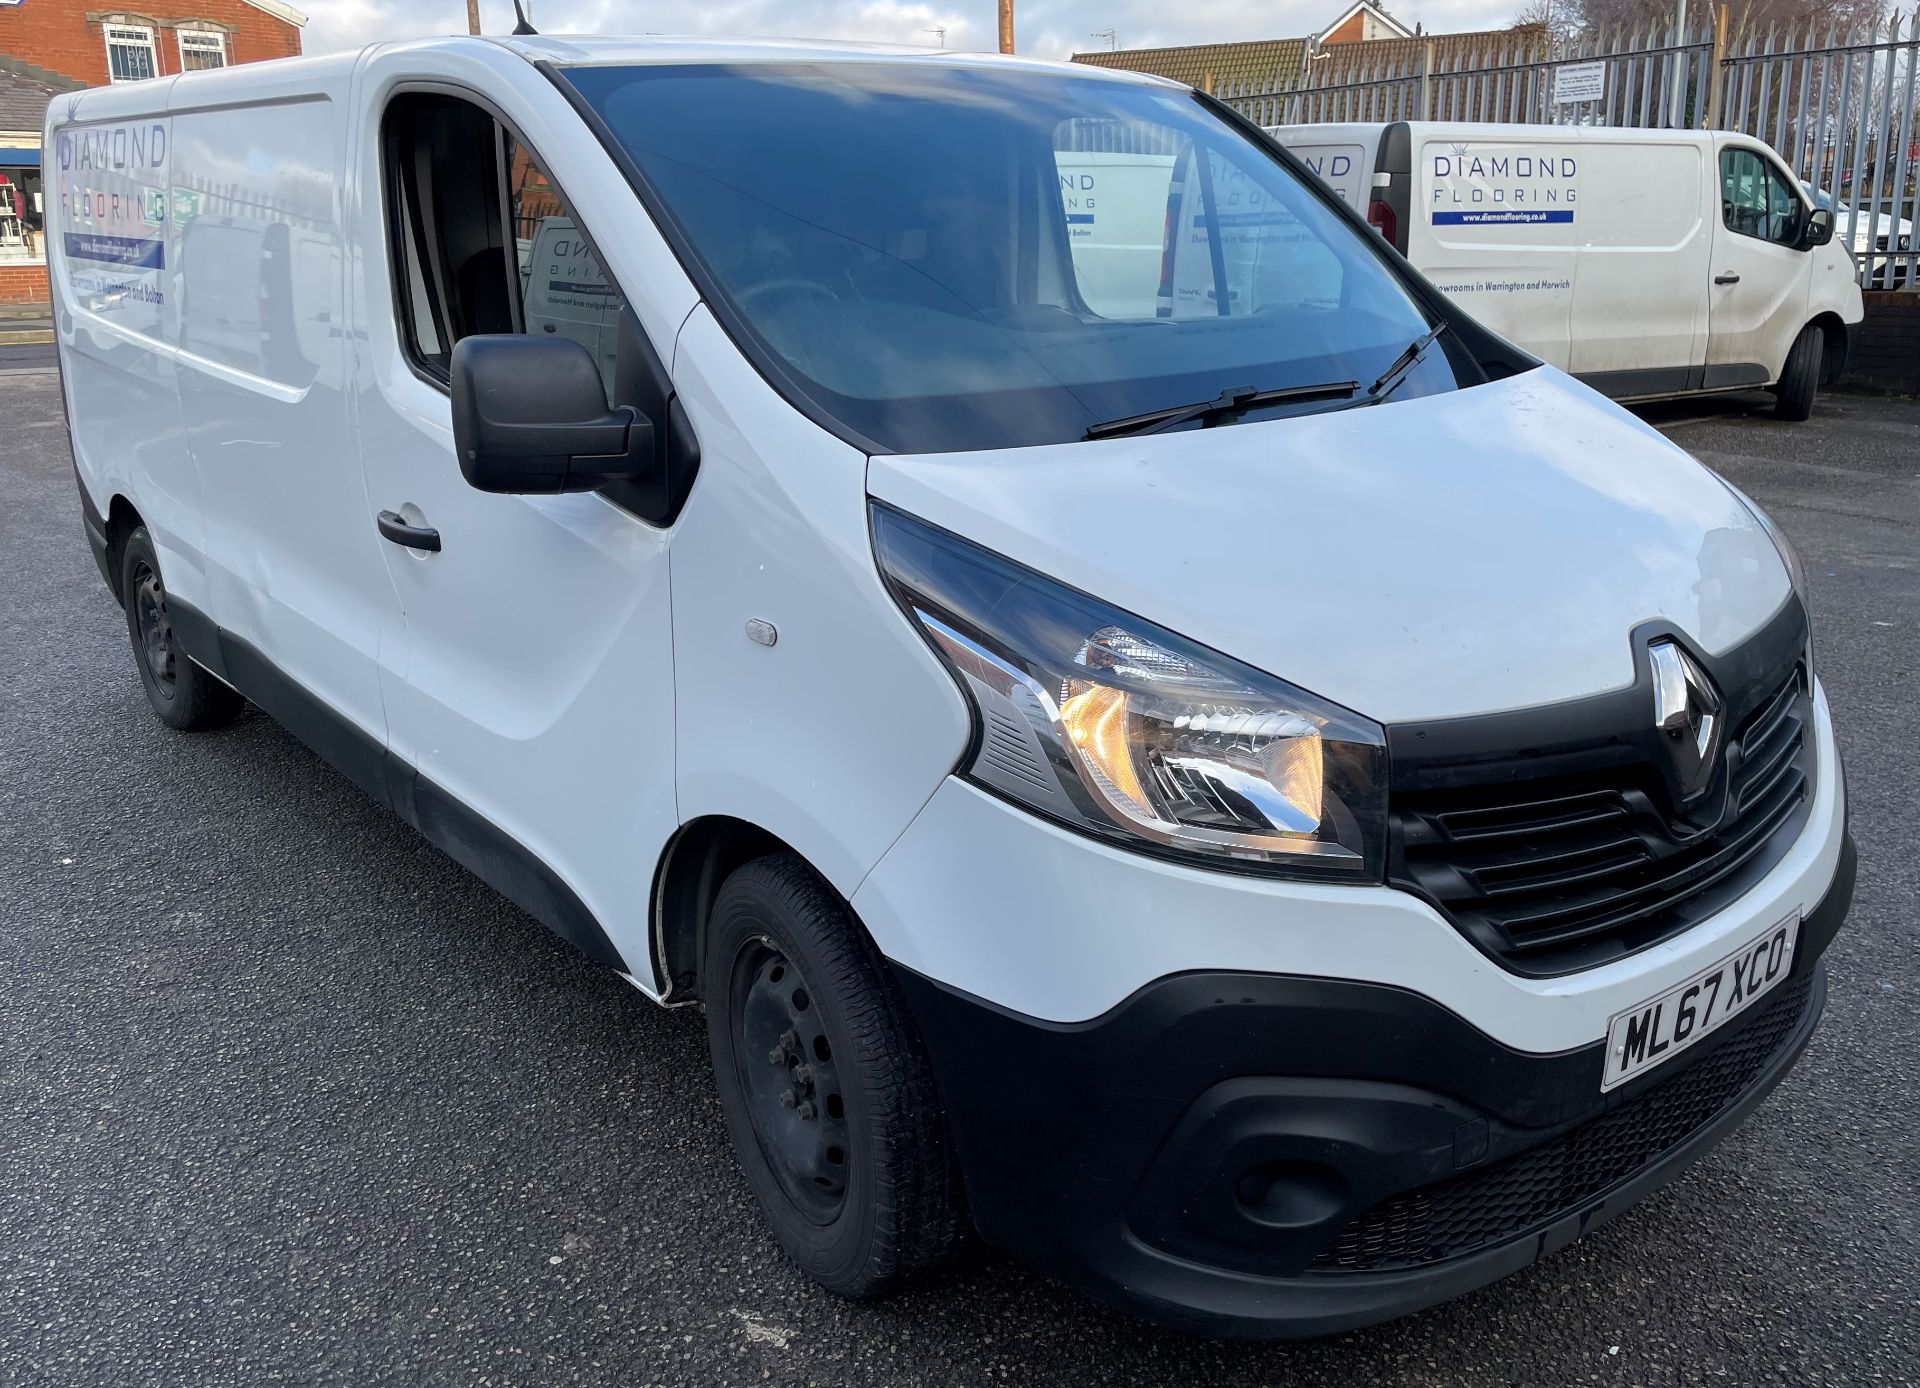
<point>790,1081</point>
<point>155,629</point>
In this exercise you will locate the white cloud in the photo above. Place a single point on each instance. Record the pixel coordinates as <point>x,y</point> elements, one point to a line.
<point>1044,28</point>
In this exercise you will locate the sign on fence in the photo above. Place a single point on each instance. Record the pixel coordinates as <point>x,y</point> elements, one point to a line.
<point>1576,82</point>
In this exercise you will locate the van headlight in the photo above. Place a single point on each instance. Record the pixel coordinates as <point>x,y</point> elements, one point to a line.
<point>1125,730</point>
<point>1789,557</point>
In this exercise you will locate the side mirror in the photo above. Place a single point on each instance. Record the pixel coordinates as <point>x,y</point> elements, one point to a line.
<point>1818,230</point>
<point>530,416</point>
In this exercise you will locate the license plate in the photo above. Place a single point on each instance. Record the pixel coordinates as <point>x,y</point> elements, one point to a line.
<point>1661,1028</point>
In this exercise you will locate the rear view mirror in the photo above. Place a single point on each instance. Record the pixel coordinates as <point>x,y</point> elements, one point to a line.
<point>1819,228</point>
<point>530,415</point>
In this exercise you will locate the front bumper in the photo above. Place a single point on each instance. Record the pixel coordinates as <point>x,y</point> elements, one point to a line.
<point>1262,1155</point>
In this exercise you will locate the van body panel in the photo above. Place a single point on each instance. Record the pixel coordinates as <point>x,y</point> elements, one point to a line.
<point>1448,620</point>
<point>293,568</point>
<point>111,160</point>
<point>1650,230</point>
<point>792,736</point>
<point>1343,157</point>
<point>1493,225</point>
<point>544,621</point>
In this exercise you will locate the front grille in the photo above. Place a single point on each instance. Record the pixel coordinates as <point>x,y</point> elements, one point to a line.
<point>1534,1187</point>
<point>1560,872</point>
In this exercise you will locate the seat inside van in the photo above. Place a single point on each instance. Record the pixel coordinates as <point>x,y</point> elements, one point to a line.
<point>453,199</point>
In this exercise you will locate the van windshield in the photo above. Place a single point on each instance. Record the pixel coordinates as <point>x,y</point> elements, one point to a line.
<point>943,257</point>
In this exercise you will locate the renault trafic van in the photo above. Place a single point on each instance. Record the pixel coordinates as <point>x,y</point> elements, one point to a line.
<point>1238,784</point>
<point>1648,263</point>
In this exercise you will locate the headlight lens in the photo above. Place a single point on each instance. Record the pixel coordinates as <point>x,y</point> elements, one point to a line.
<point>1093,717</point>
<point>1789,556</point>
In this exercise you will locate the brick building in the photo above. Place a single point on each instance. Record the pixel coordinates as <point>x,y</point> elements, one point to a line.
<point>1365,22</point>
<point>1362,34</point>
<point>52,46</point>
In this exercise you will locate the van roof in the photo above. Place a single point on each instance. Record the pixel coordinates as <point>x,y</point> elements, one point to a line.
<point>1494,130</point>
<point>596,50</point>
<point>275,78</point>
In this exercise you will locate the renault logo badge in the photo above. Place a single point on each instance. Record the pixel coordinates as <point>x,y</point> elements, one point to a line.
<point>1687,710</point>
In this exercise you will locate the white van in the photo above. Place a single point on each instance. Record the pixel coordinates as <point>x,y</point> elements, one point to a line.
<point>1278,814</point>
<point>1648,263</point>
<point>1139,223</point>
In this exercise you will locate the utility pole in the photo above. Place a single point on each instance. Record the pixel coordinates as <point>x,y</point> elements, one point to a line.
<point>473,16</point>
<point>1006,26</point>
<point>1678,69</point>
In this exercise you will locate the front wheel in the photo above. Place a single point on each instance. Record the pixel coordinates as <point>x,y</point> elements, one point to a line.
<point>1800,377</point>
<point>828,1096</point>
<point>181,693</point>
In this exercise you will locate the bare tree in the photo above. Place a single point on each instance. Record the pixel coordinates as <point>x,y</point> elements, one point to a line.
<point>1554,19</point>
<point>1607,15</point>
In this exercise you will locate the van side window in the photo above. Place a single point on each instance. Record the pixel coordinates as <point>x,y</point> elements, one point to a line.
<point>482,242</point>
<point>418,307</point>
<point>1756,199</point>
<point>562,286</point>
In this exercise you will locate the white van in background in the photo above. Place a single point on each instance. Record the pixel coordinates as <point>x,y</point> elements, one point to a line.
<point>1142,237</point>
<point>566,293</point>
<point>1648,263</point>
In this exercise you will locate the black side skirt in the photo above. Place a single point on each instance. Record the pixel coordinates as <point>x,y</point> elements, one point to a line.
<point>450,824</point>
<point>1657,382</point>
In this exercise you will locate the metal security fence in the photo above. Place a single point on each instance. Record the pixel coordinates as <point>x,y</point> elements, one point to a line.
<point>1500,81</point>
<point>1839,104</point>
<point>1839,107</point>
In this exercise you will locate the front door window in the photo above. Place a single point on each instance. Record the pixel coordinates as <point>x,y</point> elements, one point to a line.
<point>1757,200</point>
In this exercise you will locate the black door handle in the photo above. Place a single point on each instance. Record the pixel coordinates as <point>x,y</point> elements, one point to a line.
<point>1726,279</point>
<point>393,526</point>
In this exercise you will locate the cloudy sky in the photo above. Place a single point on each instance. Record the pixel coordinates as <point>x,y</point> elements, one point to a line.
<point>1047,28</point>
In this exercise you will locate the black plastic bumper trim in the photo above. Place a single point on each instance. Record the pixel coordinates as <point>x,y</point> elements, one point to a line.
<point>1098,1150</point>
<point>96,527</point>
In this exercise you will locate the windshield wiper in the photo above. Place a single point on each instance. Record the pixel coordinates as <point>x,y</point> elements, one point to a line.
<point>1391,378</point>
<point>1235,400</point>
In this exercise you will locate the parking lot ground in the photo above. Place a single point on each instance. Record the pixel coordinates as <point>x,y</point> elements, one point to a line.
<point>286,1097</point>
<point>24,356</point>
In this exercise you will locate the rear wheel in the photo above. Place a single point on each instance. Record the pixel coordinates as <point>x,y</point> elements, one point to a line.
<point>828,1096</point>
<point>1800,377</point>
<point>184,695</point>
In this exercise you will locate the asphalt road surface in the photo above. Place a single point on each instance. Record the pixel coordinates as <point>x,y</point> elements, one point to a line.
<point>16,356</point>
<point>286,1097</point>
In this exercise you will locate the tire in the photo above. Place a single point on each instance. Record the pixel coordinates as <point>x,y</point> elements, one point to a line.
<point>1800,377</point>
<point>828,1096</point>
<point>181,693</point>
